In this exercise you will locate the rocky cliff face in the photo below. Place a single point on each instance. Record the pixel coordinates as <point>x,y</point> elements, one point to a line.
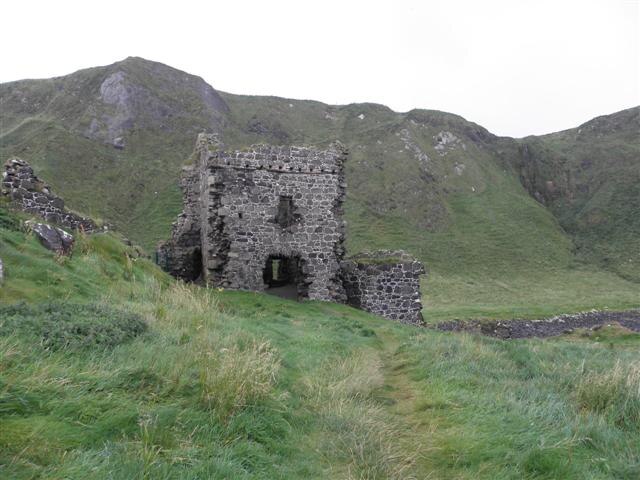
<point>589,177</point>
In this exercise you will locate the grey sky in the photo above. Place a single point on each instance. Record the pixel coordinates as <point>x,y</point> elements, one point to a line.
<point>516,67</point>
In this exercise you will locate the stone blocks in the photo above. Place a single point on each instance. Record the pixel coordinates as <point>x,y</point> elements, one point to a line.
<point>32,195</point>
<point>254,216</point>
<point>245,207</point>
<point>385,283</point>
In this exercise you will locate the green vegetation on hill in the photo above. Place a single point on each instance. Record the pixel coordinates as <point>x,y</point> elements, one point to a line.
<point>241,385</point>
<point>429,182</point>
<point>589,177</point>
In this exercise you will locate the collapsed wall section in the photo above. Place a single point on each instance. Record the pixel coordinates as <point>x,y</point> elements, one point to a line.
<point>181,254</point>
<point>385,283</point>
<point>32,195</point>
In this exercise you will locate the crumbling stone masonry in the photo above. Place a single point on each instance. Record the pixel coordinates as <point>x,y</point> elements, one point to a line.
<point>385,283</point>
<point>32,195</point>
<point>270,217</point>
<point>263,217</point>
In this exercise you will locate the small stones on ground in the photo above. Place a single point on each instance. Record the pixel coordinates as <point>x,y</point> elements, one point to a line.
<point>547,327</point>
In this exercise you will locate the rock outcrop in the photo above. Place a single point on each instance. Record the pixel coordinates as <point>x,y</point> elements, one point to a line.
<point>34,196</point>
<point>52,238</point>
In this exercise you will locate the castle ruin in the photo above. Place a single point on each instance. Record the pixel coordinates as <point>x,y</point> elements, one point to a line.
<point>271,218</point>
<point>263,217</point>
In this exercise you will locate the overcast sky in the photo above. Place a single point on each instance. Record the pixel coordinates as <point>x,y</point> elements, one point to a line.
<point>517,67</point>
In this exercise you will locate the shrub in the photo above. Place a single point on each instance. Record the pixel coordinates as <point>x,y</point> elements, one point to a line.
<point>70,326</point>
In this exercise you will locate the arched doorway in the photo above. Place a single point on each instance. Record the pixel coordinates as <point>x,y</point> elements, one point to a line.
<point>284,277</point>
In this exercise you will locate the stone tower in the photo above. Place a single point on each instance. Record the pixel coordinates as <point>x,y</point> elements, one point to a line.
<point>262,217</point>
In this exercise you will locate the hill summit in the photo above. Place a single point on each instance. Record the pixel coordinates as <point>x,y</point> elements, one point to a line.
<point>112,141</point>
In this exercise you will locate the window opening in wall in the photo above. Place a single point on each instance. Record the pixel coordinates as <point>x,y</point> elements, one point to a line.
<point>285,216</point>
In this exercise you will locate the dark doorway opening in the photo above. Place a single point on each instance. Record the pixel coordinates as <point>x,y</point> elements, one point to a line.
<point>196,265</point>
<point>284,277</point>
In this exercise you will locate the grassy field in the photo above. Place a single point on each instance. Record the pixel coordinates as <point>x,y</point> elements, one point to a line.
<point>534,296</point>
<point>112,370</point>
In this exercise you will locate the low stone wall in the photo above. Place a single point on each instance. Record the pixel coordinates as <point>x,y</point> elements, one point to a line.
<point>32,195</point>
<point>385,283</point>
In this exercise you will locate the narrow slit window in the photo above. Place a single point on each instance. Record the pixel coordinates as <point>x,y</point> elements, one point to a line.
<point>285,216</point>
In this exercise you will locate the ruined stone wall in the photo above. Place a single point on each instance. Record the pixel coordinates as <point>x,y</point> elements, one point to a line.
<point>385,283</point>
<point>240,194</point>
<point>180,255</point>
<point>244,208</point>
<point>32,195</point>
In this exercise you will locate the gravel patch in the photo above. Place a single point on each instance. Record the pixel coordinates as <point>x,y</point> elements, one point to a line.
<point>548,327</point>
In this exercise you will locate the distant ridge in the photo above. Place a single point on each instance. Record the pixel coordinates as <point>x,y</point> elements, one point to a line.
<point>111,140</point>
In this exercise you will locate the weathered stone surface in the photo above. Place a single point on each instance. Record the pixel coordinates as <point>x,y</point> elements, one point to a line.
<point>271,217</point>
<point>32,195</point>
<point>52,238</point>
<point>180,256</point>
<point>251,206</point>
<point>385,283</point>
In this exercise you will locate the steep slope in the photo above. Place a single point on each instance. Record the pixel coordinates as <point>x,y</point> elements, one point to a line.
<point>590,179</point>
<point>426,180</point>
<point>112,140</point>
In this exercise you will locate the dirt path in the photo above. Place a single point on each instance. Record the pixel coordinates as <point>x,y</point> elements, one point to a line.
<point>403,397</point>
<point>548,327</point>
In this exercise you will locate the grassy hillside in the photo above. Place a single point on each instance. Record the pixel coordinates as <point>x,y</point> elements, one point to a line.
<point>66,127</point>
<point>240,385</point>
<point>445,189</point>
<point>589,177</point>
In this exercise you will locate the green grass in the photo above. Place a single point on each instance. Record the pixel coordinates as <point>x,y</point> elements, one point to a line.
<point>99,262</point>
<point>467,212</point>
<point>537,295</point>
<point>242,385</point>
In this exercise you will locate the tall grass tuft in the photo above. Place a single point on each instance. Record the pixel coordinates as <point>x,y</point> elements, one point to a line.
<point>232,370</point>
<point>234,377</point>
<point>614,394</point>
<point>193,298</point>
